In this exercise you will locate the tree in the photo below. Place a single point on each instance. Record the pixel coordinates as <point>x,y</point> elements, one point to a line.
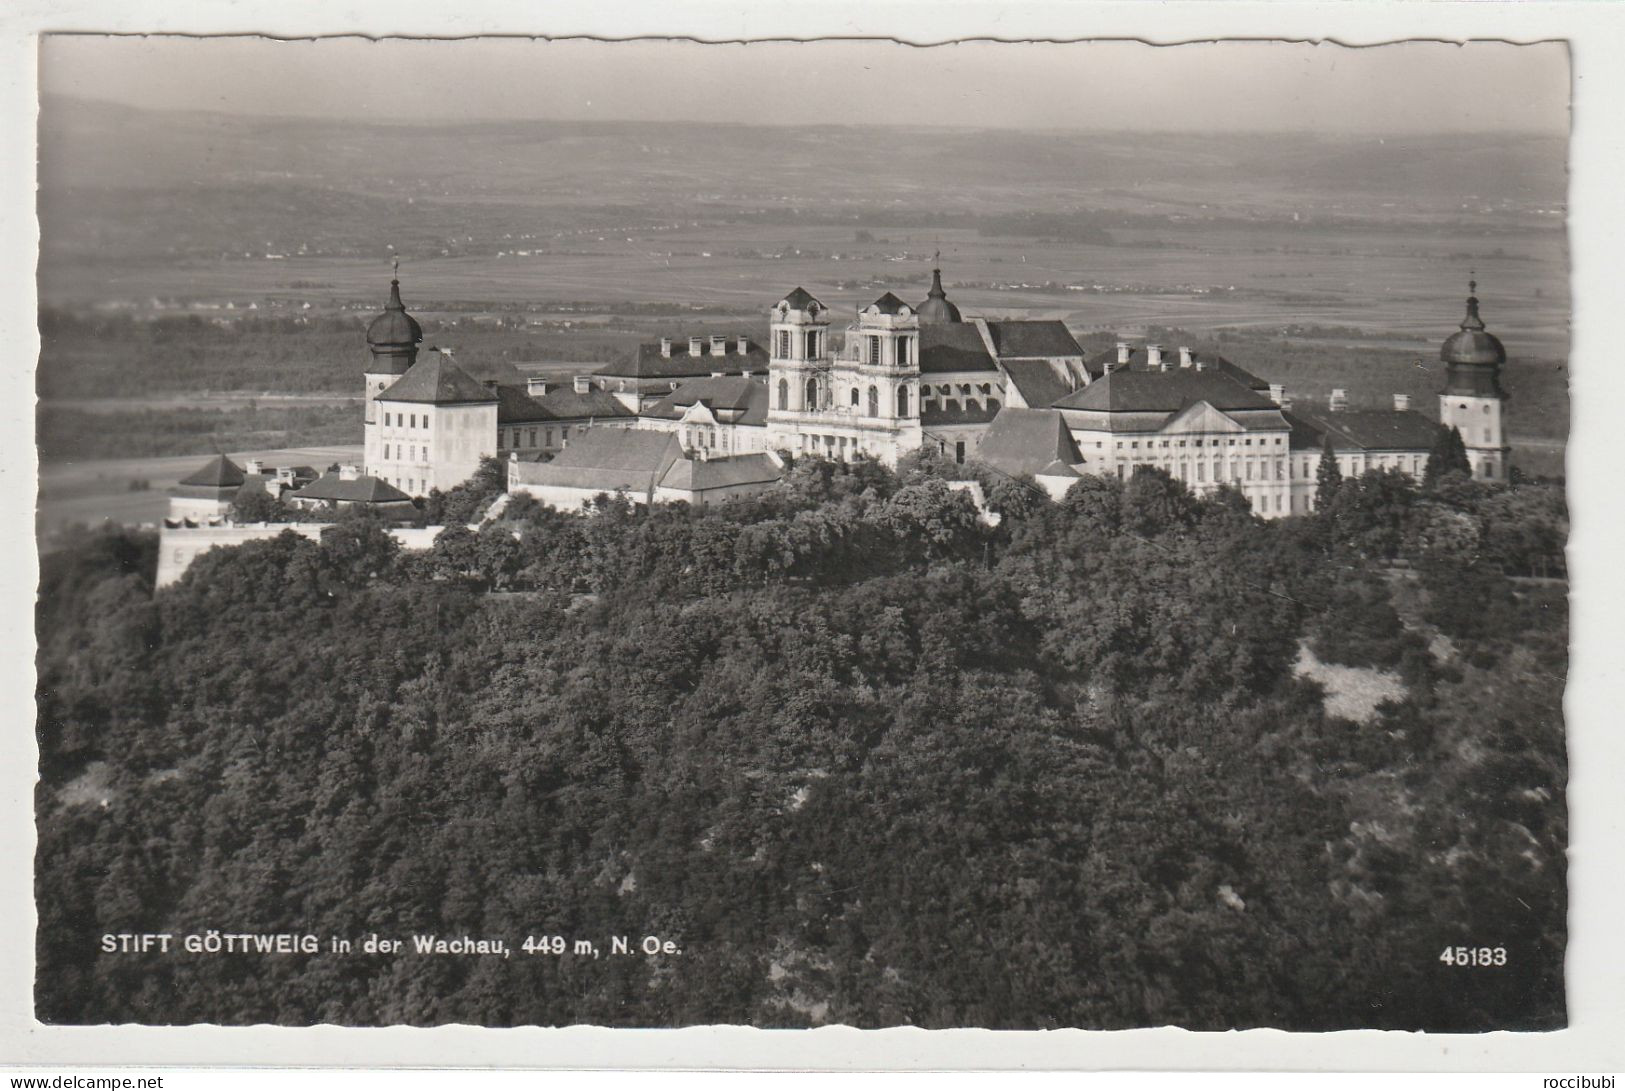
<point>258,505</point>
<point>359,547</point>
<point>466,502</point>
<point>1449,454</point>
<point>1153,502</point>
<point>1328,477</point>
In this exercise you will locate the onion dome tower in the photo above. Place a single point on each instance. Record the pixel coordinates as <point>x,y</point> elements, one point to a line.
<point>392,338</point>
<point>1472,401</point>
<point>936,307</point>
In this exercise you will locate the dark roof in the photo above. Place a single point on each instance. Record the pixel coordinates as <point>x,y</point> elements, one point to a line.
<point>1471,345</point>
<point>394,328</point>
<point>936,307</point>
<point>800,298</point>
<point>746,397</point>
<point>487,371</point>
<point>887,304</point>
<point>648,363</point>
<point>353,490</point>
<point>1033,337</point>
<point>698,475</point>
<point>435,380</point>
<point>516,406</point>
<point>1026,441</point>
<point>1038,381</point>
<point>1364,429</point>
<point>1132,391</point>
<point>606,460</point>
<point>959,413</point>
<point>949,346</point>
<point>1098,364</point>
<point>219,472</point>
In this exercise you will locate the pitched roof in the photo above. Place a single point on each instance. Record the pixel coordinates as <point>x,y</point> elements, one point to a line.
<point>435,380</point>
<point>698,475</point>
<point>800,298</point>
<point>1033,337</point>
<point>605,460</point>
<point>649,363</point>
<point>487,370</point>
<point>1028,441</point>
<point>516,406</point>
<point>743,400</point>
<point>219,472</point>
<point>353,490</point>
<point>1101,361</point>
<point>953,346</point>
<point>1364,429</point>
<point>887,304</point>
<point>1038,381</point>
<point>1141,391</point>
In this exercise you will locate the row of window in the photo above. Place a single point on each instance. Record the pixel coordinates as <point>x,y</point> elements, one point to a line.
<point>405,453</point>
<point>526,437</point>
<point>856,398</point>
<point>812,343</point>
<point>716,439</point>
<point>1134,444</point>
<point>401,420</point>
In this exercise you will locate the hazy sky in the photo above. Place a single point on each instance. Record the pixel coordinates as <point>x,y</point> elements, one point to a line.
<point>1411,87</point>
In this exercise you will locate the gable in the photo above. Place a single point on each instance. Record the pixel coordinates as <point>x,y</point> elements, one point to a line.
<point>1201,417</point>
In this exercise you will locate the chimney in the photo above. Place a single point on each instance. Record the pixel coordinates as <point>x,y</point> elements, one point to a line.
<point>719,344</point>
<point>1184,356</point>
<point>536,384</point>
<point>583,384</point>
<point>1340,400</point>
<point>1201,365</point>
<point>251,465</point>
<point>744,344</point>
<point>1153,357</point>
<point>349,471</point>
<point>694,346</point>
<point>1402,402</point>
<point>1122,354</point>
<point>1277,393</point>
<point>665,346</point>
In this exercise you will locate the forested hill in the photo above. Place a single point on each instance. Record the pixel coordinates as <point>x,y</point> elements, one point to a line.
<point>858,757</point>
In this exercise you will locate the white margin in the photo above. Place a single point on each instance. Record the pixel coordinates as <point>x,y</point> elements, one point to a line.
<point>1594,1041</point>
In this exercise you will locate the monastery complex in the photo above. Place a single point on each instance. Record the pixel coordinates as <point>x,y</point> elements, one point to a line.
<point>702,419</point>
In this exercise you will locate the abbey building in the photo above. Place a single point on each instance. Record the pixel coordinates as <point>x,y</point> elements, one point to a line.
<point>891,378</point>
<point>701,419</point>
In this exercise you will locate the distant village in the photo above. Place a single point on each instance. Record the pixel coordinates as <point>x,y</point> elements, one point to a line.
<point>702,419</point>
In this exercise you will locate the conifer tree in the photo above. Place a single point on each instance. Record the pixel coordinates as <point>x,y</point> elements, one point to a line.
<point>1328,476</point>
<point>1449,453</point>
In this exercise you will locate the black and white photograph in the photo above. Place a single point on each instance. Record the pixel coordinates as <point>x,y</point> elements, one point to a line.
<point>1022,535</point>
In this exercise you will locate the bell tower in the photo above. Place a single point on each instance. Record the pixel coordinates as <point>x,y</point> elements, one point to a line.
<point>1473,401</point>
<point>798,364</point>
<point>392,338</point>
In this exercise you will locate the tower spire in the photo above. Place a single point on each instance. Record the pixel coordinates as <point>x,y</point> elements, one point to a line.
<point>1472,321</point>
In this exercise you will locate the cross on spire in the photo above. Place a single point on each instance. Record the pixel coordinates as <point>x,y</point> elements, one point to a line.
<point>396,263</point>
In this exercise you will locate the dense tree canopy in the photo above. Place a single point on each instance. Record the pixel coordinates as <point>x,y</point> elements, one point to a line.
<point>864,757</point>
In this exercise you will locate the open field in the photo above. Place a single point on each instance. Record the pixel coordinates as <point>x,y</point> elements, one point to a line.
<point>91,491</point>
<point>193,262</point>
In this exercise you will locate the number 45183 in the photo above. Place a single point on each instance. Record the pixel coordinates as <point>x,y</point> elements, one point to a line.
<point>1474,956</point>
